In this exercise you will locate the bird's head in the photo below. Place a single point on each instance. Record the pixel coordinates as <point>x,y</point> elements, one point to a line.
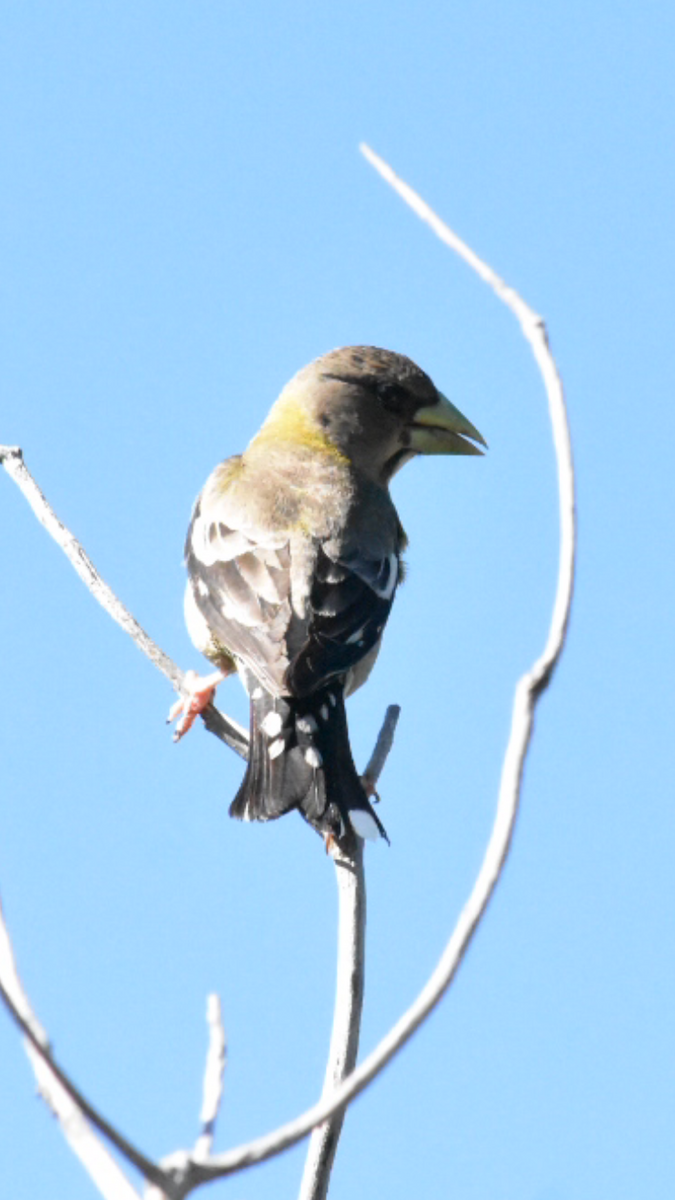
<point>376,408</point>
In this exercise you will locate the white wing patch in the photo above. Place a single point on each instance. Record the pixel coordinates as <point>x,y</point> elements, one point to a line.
<point>213,542</point>
<point>253,569</point>
<point>197,626</point>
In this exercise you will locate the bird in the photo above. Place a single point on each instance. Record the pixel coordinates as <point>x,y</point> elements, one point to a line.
<point>294,556</point>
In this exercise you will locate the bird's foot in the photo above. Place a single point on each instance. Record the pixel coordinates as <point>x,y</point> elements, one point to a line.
<point>370,789</point>
<point>199,692</point>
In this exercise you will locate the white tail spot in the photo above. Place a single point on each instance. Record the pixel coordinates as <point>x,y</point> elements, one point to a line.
<point>276,748</point>
<point>313,758</point>
<point>272,725</point>
<point>306,724</point>
<point>363,824</point>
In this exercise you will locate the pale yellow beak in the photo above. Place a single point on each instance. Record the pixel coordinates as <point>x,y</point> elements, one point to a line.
<point>441,428</point>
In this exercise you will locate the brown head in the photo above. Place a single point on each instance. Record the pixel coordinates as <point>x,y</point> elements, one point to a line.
<point>374,407</point>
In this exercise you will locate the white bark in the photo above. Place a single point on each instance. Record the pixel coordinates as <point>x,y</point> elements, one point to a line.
<point>184,1170</point>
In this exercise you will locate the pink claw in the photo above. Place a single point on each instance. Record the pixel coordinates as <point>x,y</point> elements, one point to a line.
<point>199,692</point>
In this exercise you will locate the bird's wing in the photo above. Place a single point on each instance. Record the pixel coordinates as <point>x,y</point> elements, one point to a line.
<point>239,575</point>
<point>349,603</point>
<point>296,611</point>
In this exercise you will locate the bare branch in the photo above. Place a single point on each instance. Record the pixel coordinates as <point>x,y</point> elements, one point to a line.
<point>96,1159</point>
<point>351,969</point>
<point>527,692</point>
<point>187,1174</point>
<point>384,743</point>
<point>174,1176</point>
<point>14,995</point>
<point>75,1115</point>
<point>351,979</point>
<point>216,1060</point>
<point>344,1045</point>
<point>216,722</point>
<point>534,332</point>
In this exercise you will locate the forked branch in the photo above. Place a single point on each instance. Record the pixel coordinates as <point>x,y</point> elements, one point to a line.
<point>528,690</point>
<point>185,1172</point>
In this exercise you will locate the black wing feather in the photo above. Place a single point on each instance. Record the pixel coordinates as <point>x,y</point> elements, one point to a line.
<point>349,602</point>
<point>347,619</point>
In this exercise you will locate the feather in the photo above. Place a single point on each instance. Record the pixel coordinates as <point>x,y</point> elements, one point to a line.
<point>294,557</point>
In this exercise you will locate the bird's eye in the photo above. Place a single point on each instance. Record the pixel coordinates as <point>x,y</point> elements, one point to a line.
<point>392,397</point>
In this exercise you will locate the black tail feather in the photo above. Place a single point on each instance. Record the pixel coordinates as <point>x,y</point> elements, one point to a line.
<point>300,758</point>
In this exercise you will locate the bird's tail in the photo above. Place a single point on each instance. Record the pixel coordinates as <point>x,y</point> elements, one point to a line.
<point>300,757</point>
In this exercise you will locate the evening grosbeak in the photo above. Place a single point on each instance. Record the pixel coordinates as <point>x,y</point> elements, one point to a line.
<point>294,556</point>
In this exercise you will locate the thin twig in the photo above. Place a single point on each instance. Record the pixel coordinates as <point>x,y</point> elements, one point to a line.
<point>535,334</point>
<point>172,1176</point>
<point>344,1044</point>
<point>351,967</point>
<point>94,1156</point>
<point>189,1174</point>
<point>528,690</point>
<point>75,1115</point>
<point>383,745</point>
<point>11,458</point>
<point>351,970</point>
<point>214,1073</point>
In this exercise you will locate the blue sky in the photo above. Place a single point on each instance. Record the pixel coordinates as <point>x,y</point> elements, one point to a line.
<point>185,221</point>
